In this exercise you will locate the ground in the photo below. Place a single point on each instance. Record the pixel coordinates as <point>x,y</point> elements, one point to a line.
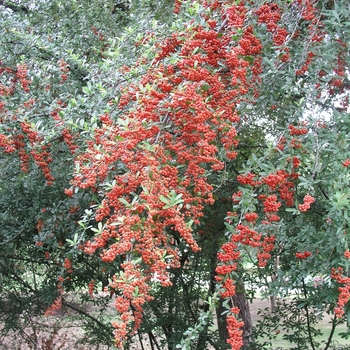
<point>58,332</point>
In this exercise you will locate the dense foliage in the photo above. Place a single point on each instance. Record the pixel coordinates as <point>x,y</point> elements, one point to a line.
<point>180,157</point>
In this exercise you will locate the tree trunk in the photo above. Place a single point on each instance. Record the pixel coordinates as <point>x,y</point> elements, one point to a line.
<point>221,319</point>
<point>239,300</point>
<point>242,303</point>
<point>273,278</point>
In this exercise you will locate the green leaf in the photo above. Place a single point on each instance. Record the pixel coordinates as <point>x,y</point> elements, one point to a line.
<point>124,201</point>
<point>164,199</point>
<point>249,59</point>
<point>73,102</point>
<point>291,210</point>
<point>205,87</point>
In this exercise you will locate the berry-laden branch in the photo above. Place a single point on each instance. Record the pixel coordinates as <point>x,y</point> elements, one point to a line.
<point>164,185</point>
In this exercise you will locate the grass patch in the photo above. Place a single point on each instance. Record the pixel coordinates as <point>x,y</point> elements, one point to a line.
<point>276,330</point>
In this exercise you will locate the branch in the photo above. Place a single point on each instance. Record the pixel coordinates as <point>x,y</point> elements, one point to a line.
<point>17,278</point>
<point>85,314</point>
<point>334,324</point>
<point>250,146</point>
<point>153,339</point>
<point>19,258</point>
<point>323,192</point>
<point>14,7</point>
<point>308,317</point>
<point>164,123</point>
<point>222,25</point>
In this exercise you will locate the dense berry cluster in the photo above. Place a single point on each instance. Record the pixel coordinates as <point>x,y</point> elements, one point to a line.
<point>344,290</point>
<point>234,331</point>
<point>303,255</point>
<point>308,200</point>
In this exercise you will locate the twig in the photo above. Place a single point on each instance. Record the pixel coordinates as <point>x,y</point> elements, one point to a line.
<point>165,120</point>
<point>223,25</point>
<point>107,329</point>
<point>151,335</point>
<point>334,324</point>
<point>140,340</point>
<point>308,317</point>
<point>317,156</point>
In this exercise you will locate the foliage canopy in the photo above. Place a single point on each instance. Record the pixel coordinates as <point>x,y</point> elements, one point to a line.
<point>179,156</point>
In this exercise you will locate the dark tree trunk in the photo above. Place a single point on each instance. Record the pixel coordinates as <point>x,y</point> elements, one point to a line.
<point>221,317</point>
<point>242,303</point>
<point>239,300</point>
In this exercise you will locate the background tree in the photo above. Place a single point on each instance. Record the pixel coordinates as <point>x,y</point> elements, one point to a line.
<point>192,144</point>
